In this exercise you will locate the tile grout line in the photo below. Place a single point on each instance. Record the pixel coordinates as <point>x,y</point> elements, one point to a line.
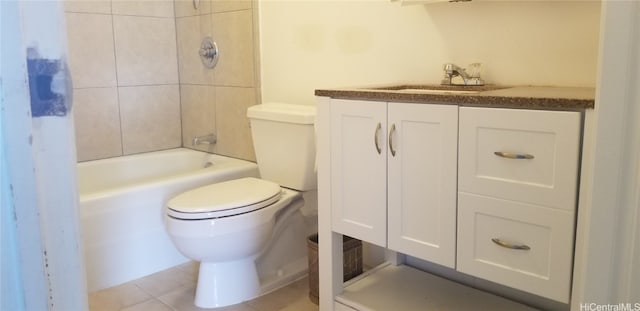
<point>179,74</point>
<point>115,69</point>
<point>151,297</point>
<point>168,305</point>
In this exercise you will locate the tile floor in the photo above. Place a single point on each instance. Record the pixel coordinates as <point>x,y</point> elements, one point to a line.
<point>174,289</point>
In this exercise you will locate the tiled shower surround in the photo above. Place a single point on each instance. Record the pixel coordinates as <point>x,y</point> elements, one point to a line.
<point>139,84</point>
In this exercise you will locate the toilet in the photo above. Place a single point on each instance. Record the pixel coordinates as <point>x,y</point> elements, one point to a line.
<point>229,226</point>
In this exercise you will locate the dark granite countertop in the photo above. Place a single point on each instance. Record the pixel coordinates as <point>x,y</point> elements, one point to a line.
<point>533,97</point>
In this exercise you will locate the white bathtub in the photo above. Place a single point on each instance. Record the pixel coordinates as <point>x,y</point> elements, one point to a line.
<point>121,209</point>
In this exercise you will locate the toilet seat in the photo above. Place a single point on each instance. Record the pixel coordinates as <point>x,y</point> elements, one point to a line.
<point>224,199</point>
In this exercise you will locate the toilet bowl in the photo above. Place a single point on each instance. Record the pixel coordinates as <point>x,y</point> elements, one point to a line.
<point>225,226</point>
<point>228,226</point>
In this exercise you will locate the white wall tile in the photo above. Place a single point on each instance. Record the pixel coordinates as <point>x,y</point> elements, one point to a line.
<point>198,113</point>
<point>157,8</point>
<point>233,31</point>
<point>88,6</point>
<point>150,118</point>
<point>230,5</point>
<point>136,49</point>
<point>186,8</point>
<point>97,123</point>
<point>145,50</point>
<point>191,31</point>
<point>90,48</point>
<point>232,124</point>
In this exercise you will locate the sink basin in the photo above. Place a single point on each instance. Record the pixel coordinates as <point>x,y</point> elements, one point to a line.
<point>428,91</point>
<point>438,89</point>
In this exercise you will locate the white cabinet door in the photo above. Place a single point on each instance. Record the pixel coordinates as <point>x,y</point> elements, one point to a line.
<point>422,174</point>
<point>359,169</point>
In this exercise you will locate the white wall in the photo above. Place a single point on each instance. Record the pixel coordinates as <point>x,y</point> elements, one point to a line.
<point>322,44</point>
<point>606,250</point>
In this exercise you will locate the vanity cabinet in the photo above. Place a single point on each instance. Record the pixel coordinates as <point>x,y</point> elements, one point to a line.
<point>393,176</point>
<point>489,192</point>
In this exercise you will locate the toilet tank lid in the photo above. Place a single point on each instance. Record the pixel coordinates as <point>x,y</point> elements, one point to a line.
<point>289,113</point>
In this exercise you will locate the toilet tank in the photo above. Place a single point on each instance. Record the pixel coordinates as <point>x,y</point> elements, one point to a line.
<point>284,142</point>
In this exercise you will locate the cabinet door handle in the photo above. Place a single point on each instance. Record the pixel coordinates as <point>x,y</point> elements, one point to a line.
<point>511,155</point>
<point>510,245</point>
<point>391,132</point>
<point>375,138</point>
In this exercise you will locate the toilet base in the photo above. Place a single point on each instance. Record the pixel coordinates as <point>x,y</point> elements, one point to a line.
<point>226,283</point>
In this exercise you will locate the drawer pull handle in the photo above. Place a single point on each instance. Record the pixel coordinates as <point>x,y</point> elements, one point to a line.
<point>375,138</point>
<point>510,246</point>
<point>510,155</point>
<point>393,130</point>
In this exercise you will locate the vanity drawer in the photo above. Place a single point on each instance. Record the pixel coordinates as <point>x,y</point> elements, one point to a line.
<point>523,155</point>
<point>543,263</point>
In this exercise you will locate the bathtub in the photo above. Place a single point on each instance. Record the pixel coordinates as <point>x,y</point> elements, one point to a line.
<point>122,203</point>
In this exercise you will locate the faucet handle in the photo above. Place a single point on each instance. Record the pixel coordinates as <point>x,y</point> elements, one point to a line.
<point>473,70</point>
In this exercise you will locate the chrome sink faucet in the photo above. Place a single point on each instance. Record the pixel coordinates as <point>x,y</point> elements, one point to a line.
<point>451,71</point>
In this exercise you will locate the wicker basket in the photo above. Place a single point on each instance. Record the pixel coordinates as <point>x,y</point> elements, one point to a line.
<point>352,262</point>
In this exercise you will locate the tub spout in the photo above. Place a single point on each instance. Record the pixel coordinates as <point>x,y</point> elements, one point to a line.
<point>210,139</point>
